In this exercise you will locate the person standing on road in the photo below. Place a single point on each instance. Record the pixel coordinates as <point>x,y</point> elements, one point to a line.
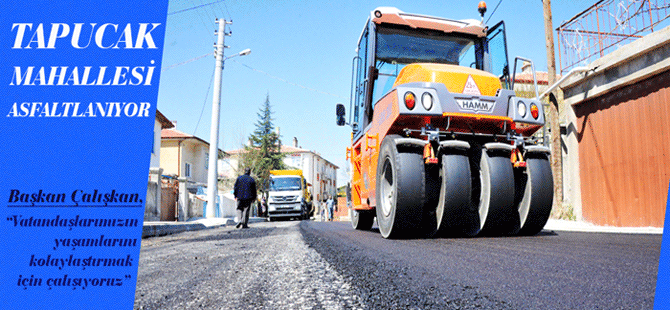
<point>245,194</point>
<point>330,203</point>
<point>263,208</point>
<point>320,210</point>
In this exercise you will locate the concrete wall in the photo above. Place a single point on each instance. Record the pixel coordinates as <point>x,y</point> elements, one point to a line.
<point>598,103</point>
<point>152,206</point>
<point>190,205</point>
<point>227,205</point>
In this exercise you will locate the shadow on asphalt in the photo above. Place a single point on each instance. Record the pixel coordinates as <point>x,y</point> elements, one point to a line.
<point>543,233</point>
<point>540,234</point>
<point>547,233</point>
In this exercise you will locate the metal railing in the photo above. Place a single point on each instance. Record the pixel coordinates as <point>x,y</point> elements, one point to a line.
<point>605,26</point>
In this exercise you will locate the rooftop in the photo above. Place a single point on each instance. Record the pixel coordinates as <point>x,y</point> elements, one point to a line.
<point>174,134</point>
<point>284,149</point>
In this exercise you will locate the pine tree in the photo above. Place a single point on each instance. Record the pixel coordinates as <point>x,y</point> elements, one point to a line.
<point>264,150</point>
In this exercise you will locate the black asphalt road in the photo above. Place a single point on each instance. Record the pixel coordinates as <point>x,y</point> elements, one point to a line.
<point>328,265</point>
<point>553,270</point>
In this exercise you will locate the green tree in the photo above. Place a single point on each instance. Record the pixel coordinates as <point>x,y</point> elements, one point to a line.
<point>263,153</point>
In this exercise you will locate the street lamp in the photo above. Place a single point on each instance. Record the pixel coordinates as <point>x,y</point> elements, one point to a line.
<point>212,186</point>
<point>242,53</point>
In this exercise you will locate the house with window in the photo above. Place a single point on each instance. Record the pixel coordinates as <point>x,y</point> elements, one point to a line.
<point>320,174</point>
<point>524,84</point>
<point>184,155</point>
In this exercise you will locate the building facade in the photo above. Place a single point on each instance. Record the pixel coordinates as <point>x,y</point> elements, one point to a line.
<point>184,155</point>
<point>320,174</point>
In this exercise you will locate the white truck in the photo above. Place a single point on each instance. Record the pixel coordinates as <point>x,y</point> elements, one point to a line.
<point>288,196</point>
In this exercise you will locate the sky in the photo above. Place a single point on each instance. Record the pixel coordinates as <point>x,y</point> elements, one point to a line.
<point>301,55</point>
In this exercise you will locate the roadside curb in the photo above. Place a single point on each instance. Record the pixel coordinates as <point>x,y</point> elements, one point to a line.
<point>575,226</point>
<point>155,229</point>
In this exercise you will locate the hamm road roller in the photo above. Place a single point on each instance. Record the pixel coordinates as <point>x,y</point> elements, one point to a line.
<point>440,143</point>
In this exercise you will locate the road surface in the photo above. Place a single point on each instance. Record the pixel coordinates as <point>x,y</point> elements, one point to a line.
<point>328,265</point>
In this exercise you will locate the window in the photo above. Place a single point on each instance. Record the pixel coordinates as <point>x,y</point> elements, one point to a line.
<point>187,170</point>
<point>497,53</point>
<point>284,184</point>
<point>361,80</point>
<point>398,47</point>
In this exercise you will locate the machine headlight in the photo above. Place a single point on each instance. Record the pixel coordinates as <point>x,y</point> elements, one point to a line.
<point>427,101</point>
<point>297,207</point>
<point>521,108</point>
<point>272,208</point>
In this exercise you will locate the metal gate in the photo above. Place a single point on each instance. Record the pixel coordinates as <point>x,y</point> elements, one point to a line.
<point>169,196</point>
<point>624,154</point>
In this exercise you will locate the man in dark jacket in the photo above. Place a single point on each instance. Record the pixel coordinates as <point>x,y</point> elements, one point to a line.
<point>245,193</point>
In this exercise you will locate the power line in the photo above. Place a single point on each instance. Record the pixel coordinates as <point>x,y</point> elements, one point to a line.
<point>226,6</point>
<point>204,102</point>
<point>185,62</point>
<point>219,9</point>
<point>195,7</point>
<point>287,82</point>
<point>494,11</point>
<point>207,10</point>
<point>215,11</point>
<point>199,13</point>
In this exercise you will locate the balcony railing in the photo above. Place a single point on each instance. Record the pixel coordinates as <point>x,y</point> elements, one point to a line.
<point>605,26</point>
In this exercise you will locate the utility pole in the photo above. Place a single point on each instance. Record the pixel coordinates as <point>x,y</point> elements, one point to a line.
<point>212,182</point>
<point>556,150</point>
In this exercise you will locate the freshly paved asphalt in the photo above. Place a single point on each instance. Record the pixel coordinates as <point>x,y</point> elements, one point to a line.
<point>553,270</point>
<point>328,265</point>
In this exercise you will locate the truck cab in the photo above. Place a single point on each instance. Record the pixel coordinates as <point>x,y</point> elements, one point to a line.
<point>288,195</point>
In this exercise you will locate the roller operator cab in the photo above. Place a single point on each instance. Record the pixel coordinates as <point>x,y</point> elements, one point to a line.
<point>440,142</point>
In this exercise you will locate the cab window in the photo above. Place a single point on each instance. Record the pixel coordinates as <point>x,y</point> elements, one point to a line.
<point>397,47</point>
